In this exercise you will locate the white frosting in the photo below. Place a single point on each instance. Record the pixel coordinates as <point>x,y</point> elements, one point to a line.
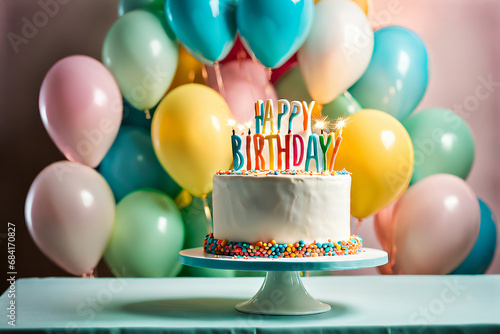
<point>284,208</point>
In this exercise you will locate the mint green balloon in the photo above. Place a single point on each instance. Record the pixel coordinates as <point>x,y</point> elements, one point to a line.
<point>291,86</point>
<point>147,236</point>
<point>442,143</point>
<point>142,54</point>
<point>196,230</point>
<point>342,106</point>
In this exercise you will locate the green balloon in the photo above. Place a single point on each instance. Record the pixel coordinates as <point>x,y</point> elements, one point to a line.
<point>142,53</point>
<point>196,230</point>
<point>442,143</point>
<point>125,6</point>
<point>147,236</point>
<point>291,86</point>
<point>342,106</point>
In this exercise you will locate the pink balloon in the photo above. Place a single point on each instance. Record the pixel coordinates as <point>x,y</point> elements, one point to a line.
<point>70,212</point>
<point>81,108</point>
<point>244,82</point>
<point>383,226</point>
<point>436,225</point>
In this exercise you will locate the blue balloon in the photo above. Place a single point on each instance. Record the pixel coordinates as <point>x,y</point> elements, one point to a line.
<point>397,76</point>
<point>207,29</point>
<point>131,164</point>
<point>274,30</point>
<point>479,259</point>
<point>135,117</point>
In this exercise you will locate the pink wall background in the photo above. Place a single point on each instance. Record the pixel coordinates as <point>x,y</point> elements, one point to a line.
<point>463,39</point>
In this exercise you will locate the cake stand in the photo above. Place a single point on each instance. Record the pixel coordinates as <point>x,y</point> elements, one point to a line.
<point>282,292</point>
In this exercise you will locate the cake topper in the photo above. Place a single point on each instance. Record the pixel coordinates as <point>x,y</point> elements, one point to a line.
<point>284,140</point>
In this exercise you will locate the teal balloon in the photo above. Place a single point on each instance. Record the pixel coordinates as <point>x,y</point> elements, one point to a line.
<point>207,29</point>
<point>291,86</point>
<point>131,164</point>
<point>196,229</point>
<point>147,236</point>
<point>273,30</point>
<point>142,53</point>
<point>125,6</point>
<point>134,117</point>
<point>442,143</point>
<point>397,76</point>
<point>480,257</point>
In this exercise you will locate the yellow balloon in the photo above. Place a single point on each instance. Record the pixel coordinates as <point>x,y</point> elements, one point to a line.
<point>189,70</point>
<point>366,5</point>
<point>378,152</point>
<point>191,136</point>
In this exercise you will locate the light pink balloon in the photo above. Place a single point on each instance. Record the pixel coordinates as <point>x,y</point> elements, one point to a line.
<point>81,108</point>
<point>70,212</point>
<point>383,226</point>
<point>244,82</point>
<point>436,223</point>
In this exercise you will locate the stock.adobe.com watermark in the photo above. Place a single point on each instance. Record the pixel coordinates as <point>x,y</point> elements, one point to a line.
<point>32,24</point>
<point>429,313</point>
<point>94,304</point>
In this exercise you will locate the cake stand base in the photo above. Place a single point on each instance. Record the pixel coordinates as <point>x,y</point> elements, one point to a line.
<point>282,293</point>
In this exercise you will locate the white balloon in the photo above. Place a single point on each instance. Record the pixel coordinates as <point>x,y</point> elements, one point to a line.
<point>337,51</point>
<point>70,213</point>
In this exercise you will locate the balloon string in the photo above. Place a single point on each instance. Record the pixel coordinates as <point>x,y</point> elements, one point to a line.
<point>148,115</point>
<point>191,76</point>
<point>208,215</point>
<point>357,226</point>
<point>90,274</point>
<point>218,75</point>
<point>248,75</point>
<point>241,55</point>
<point>268,82</point>
<point>204,73</point>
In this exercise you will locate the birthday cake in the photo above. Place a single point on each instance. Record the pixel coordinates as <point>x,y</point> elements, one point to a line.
<point>282,205</point>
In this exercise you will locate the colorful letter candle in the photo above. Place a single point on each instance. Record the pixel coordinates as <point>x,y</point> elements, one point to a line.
<point>238,158</point>
<point>258,144</point>
<point>283,108</point>
<point>296,111</point>
<point>249,150</point>
<point>298,150</point>
<point>325,147</point>
<point>340,124</point>
<point>272,149</point>
<point>268,118</point>
<point>259,115</point>
<point>312,151</point>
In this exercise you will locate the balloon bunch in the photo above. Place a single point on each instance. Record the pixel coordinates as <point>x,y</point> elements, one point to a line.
<point>377,80</point>
<point>153,118</point>
<point>438,226</point>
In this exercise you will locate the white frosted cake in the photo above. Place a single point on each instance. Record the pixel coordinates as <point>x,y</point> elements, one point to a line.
<point>287,214</point>
<point>283,198</point>
<point>284,208</point>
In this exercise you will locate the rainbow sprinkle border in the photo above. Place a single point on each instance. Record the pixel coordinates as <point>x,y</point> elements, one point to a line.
<point>254,172</point>
<point>272,249</point>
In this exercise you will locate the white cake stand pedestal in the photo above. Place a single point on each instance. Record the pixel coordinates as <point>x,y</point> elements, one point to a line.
<point>282,292</point>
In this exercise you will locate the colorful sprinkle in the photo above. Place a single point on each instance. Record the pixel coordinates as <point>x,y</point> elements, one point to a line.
<point>254,172</point>
<point>272,249</point>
